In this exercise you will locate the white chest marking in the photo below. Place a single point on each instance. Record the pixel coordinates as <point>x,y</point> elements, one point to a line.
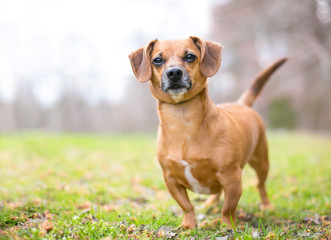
<point>196,187</point>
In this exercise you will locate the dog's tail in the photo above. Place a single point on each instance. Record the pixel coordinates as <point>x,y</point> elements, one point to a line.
<point>248,97</point>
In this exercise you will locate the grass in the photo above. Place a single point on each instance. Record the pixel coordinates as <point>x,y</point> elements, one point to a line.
<point>85,186</point>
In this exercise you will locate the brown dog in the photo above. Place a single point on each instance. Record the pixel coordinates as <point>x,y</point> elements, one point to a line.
<point>202,146</point>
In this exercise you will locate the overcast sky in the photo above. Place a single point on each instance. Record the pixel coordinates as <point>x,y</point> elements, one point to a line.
<point>83,38</point>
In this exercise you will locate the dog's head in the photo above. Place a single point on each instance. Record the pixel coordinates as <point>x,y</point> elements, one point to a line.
<point>177,69</point>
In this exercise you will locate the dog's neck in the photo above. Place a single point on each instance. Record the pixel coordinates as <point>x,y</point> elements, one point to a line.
<point>190,114</point>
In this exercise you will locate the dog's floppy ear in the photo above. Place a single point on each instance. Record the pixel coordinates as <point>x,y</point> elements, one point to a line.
<point>141,63</point>
<point>211,56</point>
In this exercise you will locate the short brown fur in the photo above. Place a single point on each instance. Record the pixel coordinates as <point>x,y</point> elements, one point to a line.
<point>202,146</point>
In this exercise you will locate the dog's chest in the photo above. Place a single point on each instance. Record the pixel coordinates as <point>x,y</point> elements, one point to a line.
<point>184,149</point>
<point>197,175</point>
<point>194,182</point>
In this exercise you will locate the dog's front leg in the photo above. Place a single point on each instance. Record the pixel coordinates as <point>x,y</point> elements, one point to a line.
<point>232,185</point>
<point>179,193</point>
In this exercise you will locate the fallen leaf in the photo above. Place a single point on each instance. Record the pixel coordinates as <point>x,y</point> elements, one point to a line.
<point>132,228</point>
<point>256,234</point>
<point>201,217</point>
<point>47,225</point>
<point>85,205</point>
<point>48,215</point>
<point>110,207</point>
<point>222,238</point>
<point>166,232</point>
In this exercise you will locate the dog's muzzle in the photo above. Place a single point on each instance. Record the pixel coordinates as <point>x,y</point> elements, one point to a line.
<point>175,81</point>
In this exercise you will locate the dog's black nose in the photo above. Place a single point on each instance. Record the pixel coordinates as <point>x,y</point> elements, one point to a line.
<point>174,74</point>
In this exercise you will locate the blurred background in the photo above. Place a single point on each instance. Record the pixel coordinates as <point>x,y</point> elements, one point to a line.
<point>64,64</point>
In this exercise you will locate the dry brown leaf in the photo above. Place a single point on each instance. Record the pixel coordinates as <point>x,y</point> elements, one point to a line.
<point>47,225</point>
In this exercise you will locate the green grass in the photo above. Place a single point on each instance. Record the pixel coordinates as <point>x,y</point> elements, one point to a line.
<point>86,186</point>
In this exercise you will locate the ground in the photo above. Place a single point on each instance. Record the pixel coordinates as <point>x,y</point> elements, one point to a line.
<point>110,187</point>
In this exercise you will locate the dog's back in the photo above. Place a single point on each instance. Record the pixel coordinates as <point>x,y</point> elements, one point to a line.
<point>247,120</point>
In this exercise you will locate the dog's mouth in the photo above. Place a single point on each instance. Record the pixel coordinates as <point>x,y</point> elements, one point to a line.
<point>177,90</point>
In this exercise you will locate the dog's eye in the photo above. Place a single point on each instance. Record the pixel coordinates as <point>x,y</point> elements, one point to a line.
<point>158,61</point>
<point>190,57</point>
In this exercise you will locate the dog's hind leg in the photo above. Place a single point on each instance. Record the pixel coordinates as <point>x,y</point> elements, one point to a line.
<point>260,164</point>
<point>213,200</point>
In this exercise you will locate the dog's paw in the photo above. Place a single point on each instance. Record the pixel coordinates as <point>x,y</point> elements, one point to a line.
<point>266,206</point>
<point>189,221</point>
<point>185,226</point>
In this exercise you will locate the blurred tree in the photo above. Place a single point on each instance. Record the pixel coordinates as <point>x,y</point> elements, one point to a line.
<point>27,112</point>
<point>281,113</point>
<point>138,108</point>
<point>256,32</point>
<point>7,117</point>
